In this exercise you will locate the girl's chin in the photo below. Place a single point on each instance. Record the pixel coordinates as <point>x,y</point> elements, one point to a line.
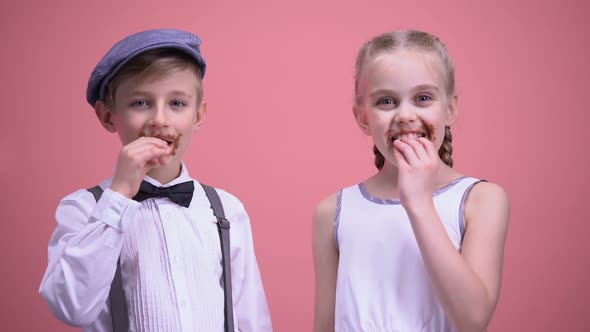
<point>390,164</point>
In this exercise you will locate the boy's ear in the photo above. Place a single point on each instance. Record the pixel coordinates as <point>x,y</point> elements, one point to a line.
<point>200,116</point>
<point>361,119</point>
<point>105,116</point>
<point>452,110</point>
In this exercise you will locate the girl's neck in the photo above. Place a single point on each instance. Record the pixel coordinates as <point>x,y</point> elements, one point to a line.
<point>384,184</point>
<point>167,173</point>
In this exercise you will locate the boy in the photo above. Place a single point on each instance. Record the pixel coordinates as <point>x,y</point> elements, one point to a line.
<point>151,228</point>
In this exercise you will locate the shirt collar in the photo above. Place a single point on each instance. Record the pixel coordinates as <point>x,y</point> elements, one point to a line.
<point>183,177</point>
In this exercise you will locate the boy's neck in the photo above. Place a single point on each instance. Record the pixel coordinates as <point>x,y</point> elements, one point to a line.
<point>165,174</point>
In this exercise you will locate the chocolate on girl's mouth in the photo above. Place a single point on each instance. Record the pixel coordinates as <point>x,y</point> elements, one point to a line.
<point>426,131</point>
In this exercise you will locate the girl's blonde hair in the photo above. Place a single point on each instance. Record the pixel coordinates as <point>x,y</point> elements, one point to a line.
<point>416,41</point>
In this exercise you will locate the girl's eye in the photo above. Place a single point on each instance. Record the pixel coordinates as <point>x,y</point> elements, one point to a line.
<point>386,101</point>
<point>139,103</point>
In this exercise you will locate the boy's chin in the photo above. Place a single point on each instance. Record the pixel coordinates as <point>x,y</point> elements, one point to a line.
<point>166,166</point>
<point>170,160</point>
<point>166,161</point>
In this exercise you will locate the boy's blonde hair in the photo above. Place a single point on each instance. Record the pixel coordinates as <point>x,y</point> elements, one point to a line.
<point>154,63</point>
<point>416,41</point>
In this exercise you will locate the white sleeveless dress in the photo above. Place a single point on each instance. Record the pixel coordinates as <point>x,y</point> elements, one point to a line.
<point>382,282</point>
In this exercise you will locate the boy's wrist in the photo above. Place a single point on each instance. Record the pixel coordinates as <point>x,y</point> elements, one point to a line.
<point>112,208</point>
<point>122,189</point>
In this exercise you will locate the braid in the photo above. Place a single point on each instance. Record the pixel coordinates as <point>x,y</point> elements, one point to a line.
<point>410,40</point>
<point>446,149</point>
<point>379,159</point>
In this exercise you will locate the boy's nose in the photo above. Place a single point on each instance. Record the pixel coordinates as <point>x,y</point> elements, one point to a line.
<point>160,118</point>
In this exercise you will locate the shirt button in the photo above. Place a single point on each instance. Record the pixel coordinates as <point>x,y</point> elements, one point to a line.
<point>183,303</point>
<point>176,259</point>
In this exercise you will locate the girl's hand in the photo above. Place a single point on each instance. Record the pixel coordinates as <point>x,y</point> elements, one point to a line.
<point>135,160</point>
<point>418,163</point>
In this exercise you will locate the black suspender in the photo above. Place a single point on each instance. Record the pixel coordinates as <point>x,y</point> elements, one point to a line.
<point>118,306</point>
<point>223,229</point>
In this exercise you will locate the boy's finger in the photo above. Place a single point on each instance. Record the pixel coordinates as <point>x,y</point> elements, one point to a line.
<point>149,140</point>
<point>143,153</point>
<point>150,153</point>
<point>152,163</point>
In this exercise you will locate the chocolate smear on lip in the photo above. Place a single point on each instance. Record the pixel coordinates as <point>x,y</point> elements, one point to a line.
<point>174,139</point>
<point>427,128</point>
<point>175,144</point>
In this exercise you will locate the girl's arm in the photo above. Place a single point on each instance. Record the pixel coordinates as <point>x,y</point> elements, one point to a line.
<point>467,283</point>
<point>325,257</point>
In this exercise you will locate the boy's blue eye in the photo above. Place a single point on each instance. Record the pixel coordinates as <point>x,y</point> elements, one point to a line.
<point>177,103</point>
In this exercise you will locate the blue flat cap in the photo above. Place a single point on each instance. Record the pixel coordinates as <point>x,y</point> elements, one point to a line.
<point>134,45</point>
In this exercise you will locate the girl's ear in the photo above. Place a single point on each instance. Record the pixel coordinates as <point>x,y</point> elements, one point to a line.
<point>105,116</point>
<point>452,110</point>
<point>361,119</point>
<point>200,116</point>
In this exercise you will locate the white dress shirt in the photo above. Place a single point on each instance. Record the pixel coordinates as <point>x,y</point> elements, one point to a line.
<point>170,263</point>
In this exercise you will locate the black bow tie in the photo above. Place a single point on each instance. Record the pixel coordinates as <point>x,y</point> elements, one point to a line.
<point>181,193</point>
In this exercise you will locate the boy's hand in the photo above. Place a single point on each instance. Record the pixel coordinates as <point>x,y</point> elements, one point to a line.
<point>135,160</point>
<point>418,163</point>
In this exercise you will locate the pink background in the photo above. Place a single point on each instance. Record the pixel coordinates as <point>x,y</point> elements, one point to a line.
<point>281,136</point>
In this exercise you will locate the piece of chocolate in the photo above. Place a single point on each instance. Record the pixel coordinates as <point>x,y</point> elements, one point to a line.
<point>172,140</point>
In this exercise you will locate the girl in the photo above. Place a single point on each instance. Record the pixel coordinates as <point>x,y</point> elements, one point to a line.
<point>418,246</point>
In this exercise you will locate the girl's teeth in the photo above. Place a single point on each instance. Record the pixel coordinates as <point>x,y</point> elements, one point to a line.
<point>408,136</point>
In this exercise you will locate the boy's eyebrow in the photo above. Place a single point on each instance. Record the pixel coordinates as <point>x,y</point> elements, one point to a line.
<point>172,93</point>
<point>181,93</point>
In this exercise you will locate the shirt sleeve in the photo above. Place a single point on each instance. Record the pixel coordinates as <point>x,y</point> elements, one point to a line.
<point>83,253</point>
<point>250,306</point>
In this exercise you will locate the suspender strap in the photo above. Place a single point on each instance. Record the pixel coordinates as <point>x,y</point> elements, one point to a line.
<point>223,229</point>
<point>118,306</point>
<point>96,192</point>
<point>118,303</point>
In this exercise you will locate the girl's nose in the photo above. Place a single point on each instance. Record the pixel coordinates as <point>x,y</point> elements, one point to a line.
<point>405,113</point>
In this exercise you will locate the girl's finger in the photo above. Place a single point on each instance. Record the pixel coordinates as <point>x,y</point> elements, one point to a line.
<point>407,151</point>
<point>428,147</point>
<point>418,148</point>
<point>399,156</point>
